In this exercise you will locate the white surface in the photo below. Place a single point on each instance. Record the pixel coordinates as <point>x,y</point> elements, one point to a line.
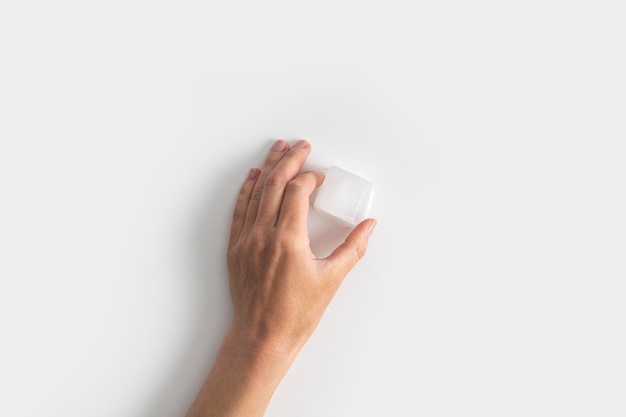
<point>344,197</point>
<point>494,132</point>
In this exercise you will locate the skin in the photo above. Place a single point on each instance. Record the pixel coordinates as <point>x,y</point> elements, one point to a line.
<point>279,289</point>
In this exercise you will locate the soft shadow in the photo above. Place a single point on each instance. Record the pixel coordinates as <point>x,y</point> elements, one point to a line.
<point>210,298</point>
<point>210,303</point>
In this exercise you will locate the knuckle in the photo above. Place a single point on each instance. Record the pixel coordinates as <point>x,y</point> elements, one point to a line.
<point>239,214</point>
<point>256,194</point>
<point>273,180</point>
<point>256,242</point>
<point>360,250</point>
<point>297,184</point>
<point>284,241</point>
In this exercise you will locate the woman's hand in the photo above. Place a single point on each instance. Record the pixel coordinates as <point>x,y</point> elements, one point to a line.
<point>278,287</point>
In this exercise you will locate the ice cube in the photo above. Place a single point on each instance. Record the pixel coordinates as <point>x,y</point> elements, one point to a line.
<point>344,196</point>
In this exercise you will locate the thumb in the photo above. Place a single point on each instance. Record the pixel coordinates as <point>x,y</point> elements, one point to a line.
<point>352,250</point>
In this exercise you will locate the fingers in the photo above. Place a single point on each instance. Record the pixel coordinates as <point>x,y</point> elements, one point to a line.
<point>277,152</point>
<point>241,206</point>
<point>351,251</point>
<point>295,205</point>
<point>276,182</point>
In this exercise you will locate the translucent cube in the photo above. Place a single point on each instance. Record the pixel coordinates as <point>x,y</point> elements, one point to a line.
<point>344,196</point>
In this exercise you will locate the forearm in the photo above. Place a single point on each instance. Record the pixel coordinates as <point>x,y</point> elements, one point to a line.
<point>242,380</point>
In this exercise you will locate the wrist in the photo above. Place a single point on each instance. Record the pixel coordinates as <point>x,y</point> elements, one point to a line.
<point>243,378</point>
<point>260,350</point>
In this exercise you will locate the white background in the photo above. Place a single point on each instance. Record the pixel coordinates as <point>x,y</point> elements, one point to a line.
<point>494,133</point>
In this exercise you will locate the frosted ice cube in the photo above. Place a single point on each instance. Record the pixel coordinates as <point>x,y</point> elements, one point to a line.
<point>344,196</point>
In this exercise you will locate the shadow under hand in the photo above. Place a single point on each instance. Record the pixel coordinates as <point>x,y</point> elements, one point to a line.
<point>209,304</point>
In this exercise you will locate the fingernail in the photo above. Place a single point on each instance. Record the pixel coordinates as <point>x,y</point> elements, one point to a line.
<point>372,227</point>
<point>279,146</point>
<point>253,173</point>
<point>301,144</point>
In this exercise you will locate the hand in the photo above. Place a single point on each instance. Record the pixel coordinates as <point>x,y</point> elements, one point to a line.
<point>278,287</point>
